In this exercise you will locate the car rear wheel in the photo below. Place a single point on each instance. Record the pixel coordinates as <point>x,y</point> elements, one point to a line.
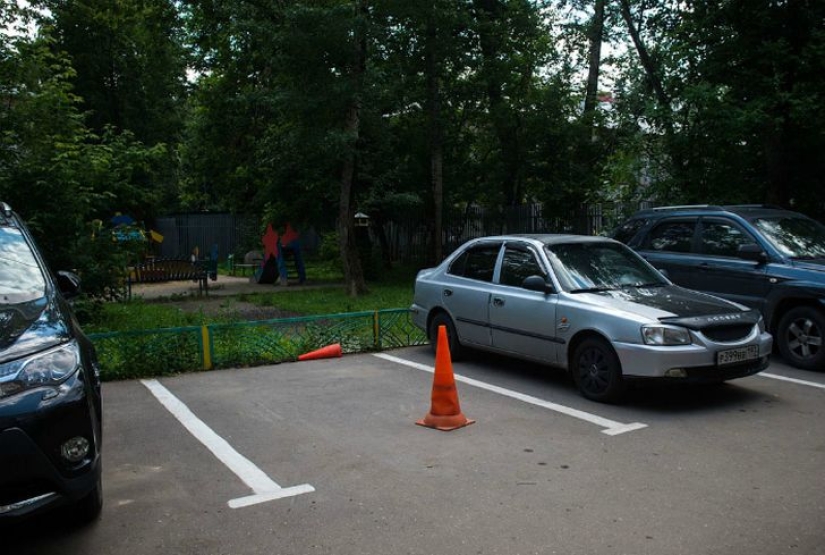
<point>442,319</point>
<point>597,371</point>
<point>800,338</point>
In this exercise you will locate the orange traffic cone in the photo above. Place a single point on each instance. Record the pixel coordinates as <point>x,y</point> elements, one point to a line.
<point>329,351</point>
<point>445,413</point>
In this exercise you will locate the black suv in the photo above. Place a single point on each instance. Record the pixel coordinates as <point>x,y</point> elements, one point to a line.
<point>761,256</point>
<point>50,404</point>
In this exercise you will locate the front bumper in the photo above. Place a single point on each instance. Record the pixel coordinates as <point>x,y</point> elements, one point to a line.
<point>33,426</point>
<point>694,363</point>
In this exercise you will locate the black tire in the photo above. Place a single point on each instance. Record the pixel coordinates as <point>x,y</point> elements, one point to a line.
<point>597,372</point>
<point>443,319</point>
<point>89,508</point>
<point>800,338</point>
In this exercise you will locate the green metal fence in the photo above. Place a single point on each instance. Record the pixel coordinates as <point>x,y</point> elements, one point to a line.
<point>140,354</point>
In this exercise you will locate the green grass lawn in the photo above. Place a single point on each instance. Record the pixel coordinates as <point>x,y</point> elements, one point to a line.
<point>393,290</point>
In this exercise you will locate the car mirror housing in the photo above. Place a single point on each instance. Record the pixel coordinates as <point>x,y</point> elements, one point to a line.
<point>752,251</point>
<point>538,283</point>
<point>68,283</point>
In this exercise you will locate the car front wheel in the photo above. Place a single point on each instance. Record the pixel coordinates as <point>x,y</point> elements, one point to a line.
<point>597,371</point>
<point>800,338</point>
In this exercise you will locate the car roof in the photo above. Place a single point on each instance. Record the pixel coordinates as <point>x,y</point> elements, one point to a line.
<point>747,211</point>
<point>549,238</point>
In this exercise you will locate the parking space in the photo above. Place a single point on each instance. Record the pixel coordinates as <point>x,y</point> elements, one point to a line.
<point>198,463</point>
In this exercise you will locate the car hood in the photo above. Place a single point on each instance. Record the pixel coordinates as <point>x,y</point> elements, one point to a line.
<point>816,265</point>
<point>31,327</point>
<point>665,302</point>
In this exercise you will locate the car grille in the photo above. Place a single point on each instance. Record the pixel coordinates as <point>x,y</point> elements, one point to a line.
<point>726,334</point>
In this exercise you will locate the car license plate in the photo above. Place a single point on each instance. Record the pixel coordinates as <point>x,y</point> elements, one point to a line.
<point>742,354</point>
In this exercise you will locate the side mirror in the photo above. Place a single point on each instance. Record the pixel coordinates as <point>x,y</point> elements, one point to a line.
<point>752,251</point>
<point>537,283</point>
<point>68,283</point>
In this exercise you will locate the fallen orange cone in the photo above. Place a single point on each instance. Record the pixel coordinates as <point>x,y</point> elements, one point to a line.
<point>445,413</point>
<point>330,351</point>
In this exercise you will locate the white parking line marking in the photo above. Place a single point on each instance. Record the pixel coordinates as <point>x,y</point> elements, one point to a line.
<point>792,380</point>
<point>611,427</point>
<point>262,485</point>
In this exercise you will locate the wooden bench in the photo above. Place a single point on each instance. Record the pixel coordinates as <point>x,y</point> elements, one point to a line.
<point>171,269</point>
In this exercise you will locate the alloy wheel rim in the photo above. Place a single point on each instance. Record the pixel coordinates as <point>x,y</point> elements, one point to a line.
<point>804,338</point>
<point>593,371</point>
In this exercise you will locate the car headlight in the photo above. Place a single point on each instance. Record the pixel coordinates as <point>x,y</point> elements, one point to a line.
<point>42,369</point>
<point>665,335</point>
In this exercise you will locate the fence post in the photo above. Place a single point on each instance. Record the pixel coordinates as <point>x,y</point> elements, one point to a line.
<point>376,330</point>
<point>206,342</point>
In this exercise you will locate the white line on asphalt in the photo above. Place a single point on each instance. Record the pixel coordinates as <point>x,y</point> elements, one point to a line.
<point>262,485</point>
<point>611,427</point>
<point>792,380</point>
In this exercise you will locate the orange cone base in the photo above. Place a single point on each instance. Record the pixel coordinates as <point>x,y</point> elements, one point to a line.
<point>330,351</point>
<point>445,423</point>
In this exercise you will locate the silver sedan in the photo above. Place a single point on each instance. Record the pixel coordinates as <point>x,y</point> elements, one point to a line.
<point>590,305</point>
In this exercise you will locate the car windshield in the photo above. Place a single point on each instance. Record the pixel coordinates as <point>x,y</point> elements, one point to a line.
<point>586,267</point>
<point>795,237</point>
<point>20,277</point>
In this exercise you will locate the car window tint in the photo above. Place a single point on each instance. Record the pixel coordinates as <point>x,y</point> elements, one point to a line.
<point>518,264</point>
<point>672,236</point>
<point>476,263</point>
<point>628,230</point>
<point>601,265</point>
<point>722,238</point>
<point>795,237</point>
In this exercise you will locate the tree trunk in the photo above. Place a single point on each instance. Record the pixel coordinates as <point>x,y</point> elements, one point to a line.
<point>435,135</point>
<point>353,271</point>
<point>596,33</point>
<point>679,163</point>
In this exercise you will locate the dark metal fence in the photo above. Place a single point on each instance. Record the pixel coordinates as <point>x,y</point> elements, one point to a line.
<point>407,238</point>
<point>226,232</point>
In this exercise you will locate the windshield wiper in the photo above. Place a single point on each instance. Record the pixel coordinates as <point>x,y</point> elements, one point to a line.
<point>651,284</point>
<point>592,289</point>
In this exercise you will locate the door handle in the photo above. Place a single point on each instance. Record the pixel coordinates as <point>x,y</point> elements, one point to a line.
<point>498,301</point>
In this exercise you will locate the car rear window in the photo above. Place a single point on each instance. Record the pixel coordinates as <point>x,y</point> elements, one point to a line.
<point>476,263</point>
<point>628,230</point>
<point>675,236</point>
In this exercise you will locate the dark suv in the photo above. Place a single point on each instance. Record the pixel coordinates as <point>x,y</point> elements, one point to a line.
<point>50,405</point>
<point>760,256</point>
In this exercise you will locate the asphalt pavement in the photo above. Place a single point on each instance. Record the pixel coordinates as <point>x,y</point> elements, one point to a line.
<point>324,457</point>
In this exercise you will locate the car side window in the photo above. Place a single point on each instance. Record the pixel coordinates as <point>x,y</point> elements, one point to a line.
<point>676,236</point>
<point>476,263</point>
<point>722,238</point>
<point>518,264</point>
<point>628,230</point>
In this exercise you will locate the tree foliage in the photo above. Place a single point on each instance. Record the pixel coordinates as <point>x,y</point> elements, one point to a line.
<point>309,110</point>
